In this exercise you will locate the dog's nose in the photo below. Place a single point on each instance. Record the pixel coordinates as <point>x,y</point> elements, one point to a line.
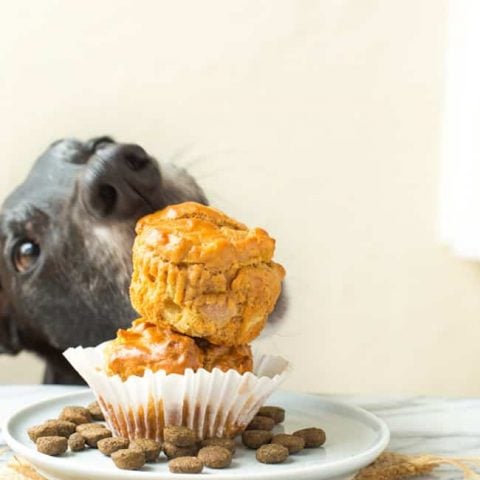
<point>120,181</point>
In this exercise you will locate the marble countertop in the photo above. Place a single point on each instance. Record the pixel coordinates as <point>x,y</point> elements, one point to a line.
<point>418,425</point>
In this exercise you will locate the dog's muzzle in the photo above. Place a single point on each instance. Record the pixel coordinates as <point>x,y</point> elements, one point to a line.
<point>120,182</point>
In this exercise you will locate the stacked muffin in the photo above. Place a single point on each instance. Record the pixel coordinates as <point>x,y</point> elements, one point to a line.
<point>204,285</point>
<point>207,282</point>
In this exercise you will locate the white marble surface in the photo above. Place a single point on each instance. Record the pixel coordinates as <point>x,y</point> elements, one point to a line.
<point>444,426</point>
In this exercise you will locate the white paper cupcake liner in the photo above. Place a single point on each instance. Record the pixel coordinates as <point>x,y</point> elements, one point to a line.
<point>213,404</point>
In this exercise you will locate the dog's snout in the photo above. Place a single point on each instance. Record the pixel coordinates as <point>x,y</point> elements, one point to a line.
<point>121,181</point>
<point>136,158</point>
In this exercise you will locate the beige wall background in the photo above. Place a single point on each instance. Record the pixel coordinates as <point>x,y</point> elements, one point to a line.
<point>318,120</point>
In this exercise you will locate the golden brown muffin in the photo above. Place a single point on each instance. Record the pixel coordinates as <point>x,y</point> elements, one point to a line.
<point>204,274</point>
<point>145,346</point>
<point>237,357</point>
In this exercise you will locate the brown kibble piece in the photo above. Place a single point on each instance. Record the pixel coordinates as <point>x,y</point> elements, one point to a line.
<point>227,443</point>
<point>59,428</point>
<point>110,445</point>
<point>53,445</point>
<point>272,453</point>
<point>185,465</point>
<point>314,437</point>
<point>215,457</point>
<point>95,411</point>
<point>93,435</point>
<point>76,415</point>
<point>64,428</point>
<point>179,436</point>
<point>292,442</point>
<point>87,426</point>
<point>261,423</point>
<point>76,442</point>
<point>150,448</point>
<point>256,438</point>
<point>173,451</point>
<point>128,459</point>
<point>277,414</point>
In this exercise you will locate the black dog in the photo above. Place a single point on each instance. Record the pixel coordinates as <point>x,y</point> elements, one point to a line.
<point>66,235</point>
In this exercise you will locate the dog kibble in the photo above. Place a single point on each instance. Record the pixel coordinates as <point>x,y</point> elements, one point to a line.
<point>128,459</point>
<point>314,437</point>
<point>272,453</point>
<point>88,426</point>
<point>52,445</point>
<point>179,436</point>
<point>76,415</point>
<point>173,451</point>
<point>93,435</point>
<point>256,438</point>
<point>292,442</point>
<point>76,442</point>
<point>75,429</point>
<point>58,428</point>
<point>64,427</point>
<point>277,414</point>
<point>227,443</point>
<point>261,423</point>
<point>185,465</point>
<point>112,444</point>
<point>215,457</point>
<point>150,448</point>
<point>95,411</point>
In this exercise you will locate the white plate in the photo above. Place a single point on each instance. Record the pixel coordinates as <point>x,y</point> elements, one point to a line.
<point>354,439</point>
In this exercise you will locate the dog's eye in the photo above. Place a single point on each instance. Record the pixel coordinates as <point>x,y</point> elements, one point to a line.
<point>25,255</point>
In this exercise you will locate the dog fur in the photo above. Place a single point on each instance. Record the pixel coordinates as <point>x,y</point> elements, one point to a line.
<point>76,290</point>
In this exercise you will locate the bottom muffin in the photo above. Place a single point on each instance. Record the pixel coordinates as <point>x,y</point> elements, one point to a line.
<point>145,346</point>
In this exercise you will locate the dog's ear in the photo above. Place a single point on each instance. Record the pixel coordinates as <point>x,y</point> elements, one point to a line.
<point>9,341</point>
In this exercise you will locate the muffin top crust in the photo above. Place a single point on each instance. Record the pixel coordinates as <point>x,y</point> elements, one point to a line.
<point>191,233</point>
<point>145,346</point>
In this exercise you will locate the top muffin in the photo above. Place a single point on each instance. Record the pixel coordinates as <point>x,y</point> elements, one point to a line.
<point>204,274</point>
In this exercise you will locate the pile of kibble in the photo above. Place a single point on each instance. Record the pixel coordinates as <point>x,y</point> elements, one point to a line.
<point>78,428</point>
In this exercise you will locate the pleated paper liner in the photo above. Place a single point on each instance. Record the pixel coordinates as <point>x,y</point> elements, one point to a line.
<point>213,404</point>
